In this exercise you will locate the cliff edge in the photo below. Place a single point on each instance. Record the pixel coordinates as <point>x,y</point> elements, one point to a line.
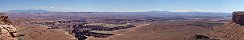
<point>233,30</point>
<point>7,30</point>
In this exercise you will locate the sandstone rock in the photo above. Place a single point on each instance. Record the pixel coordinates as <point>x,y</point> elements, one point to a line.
<point>233,30</point>
<point>238,17</point>
<point>7,30</point>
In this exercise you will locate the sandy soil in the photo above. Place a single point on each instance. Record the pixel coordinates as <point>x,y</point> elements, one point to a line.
<point>175,30</point>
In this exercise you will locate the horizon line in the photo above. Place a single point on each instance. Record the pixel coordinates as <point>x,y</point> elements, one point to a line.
<point>121,11</point>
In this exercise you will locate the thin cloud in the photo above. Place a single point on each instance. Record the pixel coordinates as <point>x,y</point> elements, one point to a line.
<point>44,7</point>
<point>52,7</point>
<point>196,10</point>
<point>55,8</point>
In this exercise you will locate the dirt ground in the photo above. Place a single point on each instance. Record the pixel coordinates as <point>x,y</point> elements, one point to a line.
<point>162,30</point>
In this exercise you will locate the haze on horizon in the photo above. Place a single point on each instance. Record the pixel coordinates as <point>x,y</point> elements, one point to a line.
<point>124,5</point>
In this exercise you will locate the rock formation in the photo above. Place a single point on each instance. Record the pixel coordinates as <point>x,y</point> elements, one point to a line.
<point>238,17</point>
<point>233,30</point>
<point>7,30</point>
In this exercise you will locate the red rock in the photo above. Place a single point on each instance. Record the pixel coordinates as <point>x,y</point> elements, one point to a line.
<point>238,17</point>
<point>8,31</point>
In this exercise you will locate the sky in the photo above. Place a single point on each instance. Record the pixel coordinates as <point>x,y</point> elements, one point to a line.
<point>124,5</point>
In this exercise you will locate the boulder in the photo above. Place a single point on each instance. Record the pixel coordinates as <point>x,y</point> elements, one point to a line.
<point>4,19</point>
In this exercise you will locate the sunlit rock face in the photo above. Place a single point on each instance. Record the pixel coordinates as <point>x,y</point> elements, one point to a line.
<point>7,30</point>
<point>238,17</point>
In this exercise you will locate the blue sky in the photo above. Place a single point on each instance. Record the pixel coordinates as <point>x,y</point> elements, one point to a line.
<point>124,5</point>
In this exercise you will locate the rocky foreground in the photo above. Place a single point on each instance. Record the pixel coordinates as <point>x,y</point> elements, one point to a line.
<point>7,30</point>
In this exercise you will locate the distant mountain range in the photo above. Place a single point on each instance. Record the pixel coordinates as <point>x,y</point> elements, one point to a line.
<point>148,13</point>
<point>29,11</point>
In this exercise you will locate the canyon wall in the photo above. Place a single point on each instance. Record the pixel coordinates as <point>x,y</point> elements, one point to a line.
<point>238,17</point>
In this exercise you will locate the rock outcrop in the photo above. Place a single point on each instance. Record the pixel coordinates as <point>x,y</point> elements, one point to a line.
<point>7,30</point>
<point>238,17</point>
<point>233,30</point>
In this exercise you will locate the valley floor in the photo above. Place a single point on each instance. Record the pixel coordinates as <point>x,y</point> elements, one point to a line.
<point>163,30</point>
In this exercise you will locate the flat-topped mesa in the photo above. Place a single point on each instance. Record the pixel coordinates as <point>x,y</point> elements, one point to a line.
<point>238,17</point>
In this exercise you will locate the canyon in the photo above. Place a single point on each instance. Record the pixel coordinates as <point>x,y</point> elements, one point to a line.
<point>116,25</point>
